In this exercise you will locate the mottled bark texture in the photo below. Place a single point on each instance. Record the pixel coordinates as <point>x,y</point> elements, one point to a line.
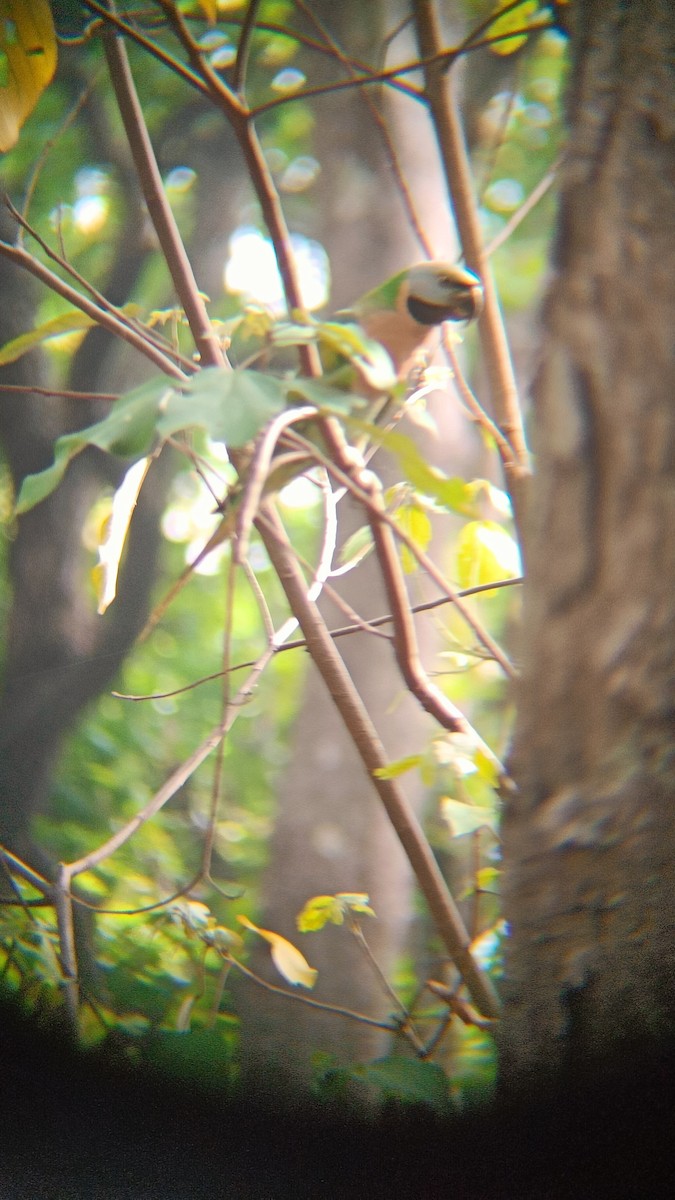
<point>589,840</point>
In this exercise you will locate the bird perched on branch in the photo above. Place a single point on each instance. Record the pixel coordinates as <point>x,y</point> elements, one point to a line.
<point>398,316</point>
<point>402,313</point>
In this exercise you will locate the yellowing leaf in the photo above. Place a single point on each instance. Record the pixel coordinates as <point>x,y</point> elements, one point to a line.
<point>517,18</point>
<point>210,10</point>
<point>318,911</point>
<point>466,818</point>
<point>486,553</point>
<point>286,957</point>
<point>117,527</point>
<point>27,62</point>
<point>394,769</point>
<point>56,327</point>
<point>356,901</point>
<point>414,521</point>
<point>487,879</point>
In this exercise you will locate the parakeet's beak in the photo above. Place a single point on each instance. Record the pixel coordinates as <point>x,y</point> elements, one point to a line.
<point>440,292</point>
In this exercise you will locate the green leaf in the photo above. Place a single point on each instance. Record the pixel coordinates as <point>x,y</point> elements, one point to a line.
<point>128,430</point>
<point>516,18</point>
<point>409,1080</point>
<point>488,879</point>
<point>356,547</point>
<point>454,494</point>
<point>232,406</point>
<point>318,911</point>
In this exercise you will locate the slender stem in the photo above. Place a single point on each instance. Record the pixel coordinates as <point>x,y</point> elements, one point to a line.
<point>158,206</point>
<point>492,335</point>
<point>244,47</point>
<point>367,743</point>
<point>101,316</point>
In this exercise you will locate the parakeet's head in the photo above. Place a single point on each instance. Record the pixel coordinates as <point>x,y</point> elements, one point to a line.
<point>402,313</point>
<point>441,291</point>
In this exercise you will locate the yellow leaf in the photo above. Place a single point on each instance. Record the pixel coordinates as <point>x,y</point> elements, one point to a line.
<point>517,18</point>
<point>286,957</point>
<point>210,10</point>
<point>394,769</point>
<point>486,553</point>
<point>318,911</point>
<point>27,62</point>
<point>414,521</point>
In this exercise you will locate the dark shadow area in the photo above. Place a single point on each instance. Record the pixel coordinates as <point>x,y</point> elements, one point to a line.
<point>76,1125</point>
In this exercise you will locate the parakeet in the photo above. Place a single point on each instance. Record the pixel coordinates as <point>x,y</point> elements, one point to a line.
<point>402,313</point>
<point>399,315</point>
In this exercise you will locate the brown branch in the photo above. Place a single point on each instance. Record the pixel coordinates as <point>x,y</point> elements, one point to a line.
<point>111,19</point>
<point>367,743</point>
<point>459,181</point>
<point>244,48</point>
<point>95,294</point>
<point>161,215</point>
<point>100,315</point>
<point>361,626</point>
<point>376,511</point>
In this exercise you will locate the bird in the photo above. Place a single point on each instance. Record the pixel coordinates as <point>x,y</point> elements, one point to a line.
<point>399,315</point>
<point>402,313</point>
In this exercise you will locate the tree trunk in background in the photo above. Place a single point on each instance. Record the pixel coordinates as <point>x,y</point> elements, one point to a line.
<point>589,840</point>
<point>331,834</point>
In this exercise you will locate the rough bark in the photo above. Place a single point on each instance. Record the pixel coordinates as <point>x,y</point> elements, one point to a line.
<point>589,840</point>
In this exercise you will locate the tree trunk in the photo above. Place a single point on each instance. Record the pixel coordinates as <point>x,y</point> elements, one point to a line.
<point>589,839</point>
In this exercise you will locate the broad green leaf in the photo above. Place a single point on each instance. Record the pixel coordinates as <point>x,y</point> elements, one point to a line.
<point>318,911</point>
<point>27,62</point>
<point>394,769</point>
<point>286,957</point>
<point>466,818</point>
<point>486,553</point>
<point>324,395</point>
<point>128,431</point>
<point>232,406</point>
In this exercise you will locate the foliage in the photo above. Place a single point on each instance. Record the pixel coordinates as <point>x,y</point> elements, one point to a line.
<point>164,932</point>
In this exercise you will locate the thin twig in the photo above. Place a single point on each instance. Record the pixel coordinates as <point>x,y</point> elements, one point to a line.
<point>503,389</point>
<point>101,316</point>
<point>244,47</point>
<point>162,217</point>
<point>367,743</point>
